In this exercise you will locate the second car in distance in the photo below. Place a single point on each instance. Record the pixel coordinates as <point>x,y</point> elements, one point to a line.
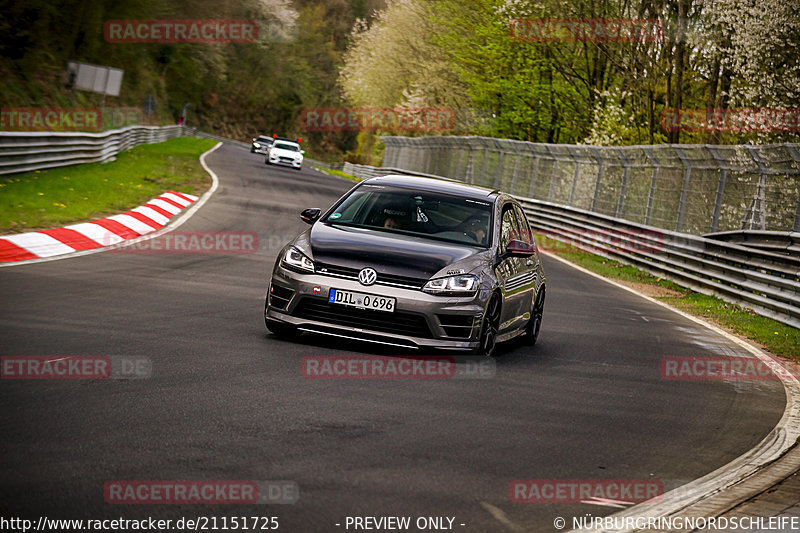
<point>285,152</point>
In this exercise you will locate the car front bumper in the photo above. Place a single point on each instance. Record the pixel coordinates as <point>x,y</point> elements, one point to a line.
<point>283,161</point>
<point>420,320</point>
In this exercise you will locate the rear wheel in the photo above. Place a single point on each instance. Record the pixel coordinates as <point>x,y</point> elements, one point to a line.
<point>489,328</point>
<point>535,323</point>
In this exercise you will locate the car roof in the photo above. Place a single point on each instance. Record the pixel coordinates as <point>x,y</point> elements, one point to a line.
<point>441,185</point>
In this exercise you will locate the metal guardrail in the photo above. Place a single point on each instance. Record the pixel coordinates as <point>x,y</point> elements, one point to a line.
<point>27,151</point>
<point>774,241</point>
<point>765,281</point>
<point>693,189</point>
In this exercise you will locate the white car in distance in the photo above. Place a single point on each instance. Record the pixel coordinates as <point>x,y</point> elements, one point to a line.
<point>285,152</point>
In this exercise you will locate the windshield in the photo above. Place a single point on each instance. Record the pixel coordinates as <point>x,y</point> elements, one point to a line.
<point>264,140</point>
<point>287,146</point>
<point>411,212</point>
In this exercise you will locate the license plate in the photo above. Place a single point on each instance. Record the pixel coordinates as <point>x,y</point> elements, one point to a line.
<point>362,300</point>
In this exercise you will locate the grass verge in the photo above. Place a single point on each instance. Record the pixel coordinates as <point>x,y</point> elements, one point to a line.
<point>770,334</point>
<point>338,173</point>
<point>67,195</point>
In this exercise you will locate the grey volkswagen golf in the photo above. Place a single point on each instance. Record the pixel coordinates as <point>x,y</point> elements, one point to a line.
<point>415,262</point>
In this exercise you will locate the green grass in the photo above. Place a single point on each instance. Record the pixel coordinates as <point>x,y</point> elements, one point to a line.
<point>338,173</point>
<point>55,197</point>
<point>774,336</point>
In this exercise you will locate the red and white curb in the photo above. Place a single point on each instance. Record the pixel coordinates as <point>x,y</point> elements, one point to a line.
<point>96,234</point>
<point>144,222</point>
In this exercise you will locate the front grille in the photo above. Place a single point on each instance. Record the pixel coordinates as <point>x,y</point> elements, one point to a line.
<point>397,323</point>
<point>383,279</point>
<point>279,296</point>
<point>459,326</point>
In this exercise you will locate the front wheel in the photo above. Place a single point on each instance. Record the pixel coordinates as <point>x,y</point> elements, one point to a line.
<point>489,328</point>
<point>535,323</point>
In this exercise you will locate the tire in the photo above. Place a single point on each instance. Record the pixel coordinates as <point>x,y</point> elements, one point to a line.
<point>491,323</point>
<point>266,161</point>
<point>535,323</point>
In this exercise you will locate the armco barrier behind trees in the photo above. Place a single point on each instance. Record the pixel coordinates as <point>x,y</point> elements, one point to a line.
<point>695,189</point>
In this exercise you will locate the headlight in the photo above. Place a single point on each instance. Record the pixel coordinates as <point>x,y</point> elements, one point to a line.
<point>463,285</point>
<point>297,260</point>
<point>257,145</point>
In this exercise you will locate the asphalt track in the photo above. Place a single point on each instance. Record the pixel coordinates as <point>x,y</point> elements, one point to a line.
<point>227,401</point>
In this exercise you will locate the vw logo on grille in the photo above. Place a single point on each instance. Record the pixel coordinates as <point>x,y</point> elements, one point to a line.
<point>367,276</point>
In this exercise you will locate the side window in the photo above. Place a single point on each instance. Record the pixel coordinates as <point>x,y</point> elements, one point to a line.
<point>509,228</point>
<point>525,234</point>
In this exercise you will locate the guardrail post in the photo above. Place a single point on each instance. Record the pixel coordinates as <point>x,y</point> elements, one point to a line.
<point>498,178</point>
<point>795,153</point>
<point>723,167</point>
<point>554,174</point>
<point>600,165</point>
<point>515,172</point>
<point>534,175</point>
<point>623,190</point>
<point>653,180</point>
<point>485,163</point>
<point>450,156</point>
<point>470,172</point>
<point>755,215</point>
<point>576,158</point>
<point>687,176</point>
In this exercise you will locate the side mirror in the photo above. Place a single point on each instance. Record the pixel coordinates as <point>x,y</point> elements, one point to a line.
<point>311,215</point>
<point>302,151</point>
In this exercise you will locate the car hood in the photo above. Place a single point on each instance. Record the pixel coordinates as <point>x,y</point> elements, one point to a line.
<point>389,253</point>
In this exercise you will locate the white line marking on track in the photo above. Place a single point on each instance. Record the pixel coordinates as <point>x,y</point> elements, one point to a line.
<point>501,517</point>
<point>782,437</point>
